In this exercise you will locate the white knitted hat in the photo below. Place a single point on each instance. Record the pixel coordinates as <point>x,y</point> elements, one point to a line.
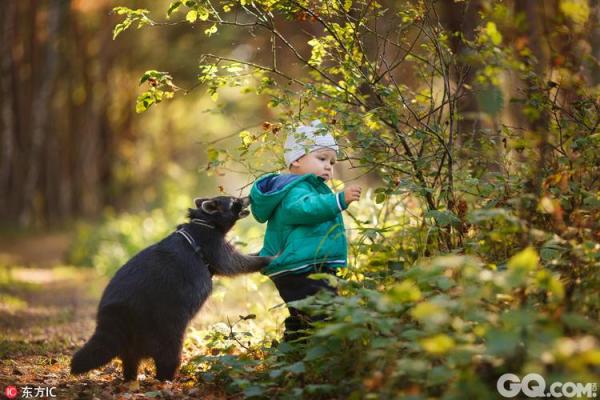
<point>306,139</point>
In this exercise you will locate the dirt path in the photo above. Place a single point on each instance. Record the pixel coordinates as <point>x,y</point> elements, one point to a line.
<point>41,250</point>
<point>46,313</point>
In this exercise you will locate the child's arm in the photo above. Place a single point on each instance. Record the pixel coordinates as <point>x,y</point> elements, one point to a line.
<point>302,206</point>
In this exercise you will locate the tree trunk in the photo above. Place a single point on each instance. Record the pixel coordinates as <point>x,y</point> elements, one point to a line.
<point>538,45</point>
<point>7,155</point>
<point>594,40</point>
<point>41,109</point>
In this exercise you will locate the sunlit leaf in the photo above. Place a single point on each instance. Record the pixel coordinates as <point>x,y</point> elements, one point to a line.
<point>438,344</point>
<point>405,291</point>
<point>430,313</point>
<point>493,33</point>
<point>191,16</point>
<point>526,259</point>
<point>577,10</point>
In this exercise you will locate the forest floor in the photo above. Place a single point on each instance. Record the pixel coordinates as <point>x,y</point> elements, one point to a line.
<point>47,312</point>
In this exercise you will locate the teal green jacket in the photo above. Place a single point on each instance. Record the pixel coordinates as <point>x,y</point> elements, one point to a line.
<point>304,222</point>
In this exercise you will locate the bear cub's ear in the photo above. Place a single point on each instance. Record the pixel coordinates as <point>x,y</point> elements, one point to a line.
<point>198,202</point>
<point>209,206</point>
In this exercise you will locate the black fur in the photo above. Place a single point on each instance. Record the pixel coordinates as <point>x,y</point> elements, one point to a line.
<point>148,304</point>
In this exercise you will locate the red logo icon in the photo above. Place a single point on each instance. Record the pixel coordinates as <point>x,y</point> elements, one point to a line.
<point>11,392</point>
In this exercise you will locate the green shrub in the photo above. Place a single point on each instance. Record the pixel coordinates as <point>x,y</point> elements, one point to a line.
<point>446,327</point>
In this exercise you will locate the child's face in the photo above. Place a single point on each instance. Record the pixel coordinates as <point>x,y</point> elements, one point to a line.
<point>319,162</point>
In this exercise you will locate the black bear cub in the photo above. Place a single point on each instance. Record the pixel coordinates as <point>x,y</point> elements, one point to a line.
<point>148,304</point>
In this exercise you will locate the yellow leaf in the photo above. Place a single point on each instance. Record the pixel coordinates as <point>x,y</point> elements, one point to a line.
<point>428,312</point>
<point>551,283</point>
<point>577,10</point>
<point>211,30</point>
<point>203,14</point>
<point>405,292</point>
<point>438,344</point>
<point>591,357</point>
<point>546,205</point>
<point>555,286</point>
<point>493,33</point>
<point>247,138</point>
<point>524,260</point>
<point>191,16</point>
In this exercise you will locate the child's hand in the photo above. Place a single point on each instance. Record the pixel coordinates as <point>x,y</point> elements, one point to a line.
<point>352,193</point>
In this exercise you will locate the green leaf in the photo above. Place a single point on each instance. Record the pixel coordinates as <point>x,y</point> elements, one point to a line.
<point>444,283</point>
<point>315,353</point>
<point>322,388</point>
<point>173,7</point>
<point>443,217</point>
<point>297,368</point>
<point>551,250</point>
<point>144,101</point>
<point>487,214</point>
<point>139,15</point>
<point>253,391</point>
<point>276,373</point>
<point>331,279</point>
<point>412,334</point>
<point>333,329</point>
<point>155,75</point>
<point>490,99</point>
<point>576,321</point>
<point>285,348</point>
<point>213,154</point>
<point>501,343</point>
<point>438,375</point>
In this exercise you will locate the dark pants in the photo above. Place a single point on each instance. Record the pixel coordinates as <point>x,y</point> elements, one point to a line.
<point>293,287</point>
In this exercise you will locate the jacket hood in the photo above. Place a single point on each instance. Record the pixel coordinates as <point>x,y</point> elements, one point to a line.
<point>268,191</point>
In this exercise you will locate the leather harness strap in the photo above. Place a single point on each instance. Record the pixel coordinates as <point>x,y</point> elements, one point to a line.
<point>195,246</point>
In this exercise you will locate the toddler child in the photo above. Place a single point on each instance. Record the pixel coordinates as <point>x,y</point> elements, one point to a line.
<point>304,221</point>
